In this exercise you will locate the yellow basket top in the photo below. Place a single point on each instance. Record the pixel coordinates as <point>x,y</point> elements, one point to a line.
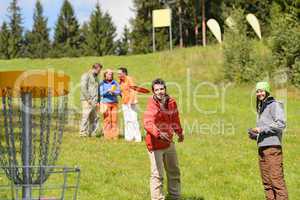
<point>37,82</point>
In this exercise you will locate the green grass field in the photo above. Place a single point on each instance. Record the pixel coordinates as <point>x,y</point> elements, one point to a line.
<point>217,160</point>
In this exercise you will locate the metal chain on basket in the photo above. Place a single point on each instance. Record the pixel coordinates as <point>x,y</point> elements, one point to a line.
<point>41,176</point>
<point>10,168</point>
<point>45,135</point>
<point>62,113</point>
<point>4,161</point>
<point>55,131</point>
<point>34,171</point>
<point>11,131</point>
<point>48,131</point>
<point>6,147</point>
<point>20,122</point>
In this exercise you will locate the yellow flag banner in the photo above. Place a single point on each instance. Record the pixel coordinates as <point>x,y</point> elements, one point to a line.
<point>161,18</point>
<point>214,27</point>
<point>253,21</point>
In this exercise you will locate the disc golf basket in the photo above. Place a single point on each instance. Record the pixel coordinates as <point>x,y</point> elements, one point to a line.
<point>34,107</point>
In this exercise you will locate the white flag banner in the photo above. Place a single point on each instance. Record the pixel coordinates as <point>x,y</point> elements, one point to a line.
<point>214,27</point>
<point>253,21</point>
<point>230,22</point>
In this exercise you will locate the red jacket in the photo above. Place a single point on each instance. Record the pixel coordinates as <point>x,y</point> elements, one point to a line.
<point>157,121</point>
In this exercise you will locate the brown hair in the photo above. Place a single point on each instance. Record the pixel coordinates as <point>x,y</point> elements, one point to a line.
<point>124,70</point>
<point>158,81</point>
<point>96,65</point>
<point>108,70</point>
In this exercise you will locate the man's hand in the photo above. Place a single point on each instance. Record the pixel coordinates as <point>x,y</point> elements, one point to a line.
<point>110,91</point>
<point>181,138</point>
<point>90,102</point>
<point>164,136</point>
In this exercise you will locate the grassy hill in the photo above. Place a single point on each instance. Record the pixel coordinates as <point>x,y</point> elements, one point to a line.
<point>217,160</point>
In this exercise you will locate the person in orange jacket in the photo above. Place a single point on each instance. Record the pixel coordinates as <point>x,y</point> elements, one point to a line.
<point>161,121</point>
<point>129,107</point>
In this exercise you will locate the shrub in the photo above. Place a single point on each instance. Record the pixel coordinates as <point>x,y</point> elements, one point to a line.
<point>285,44</point>
<point>241,62</point>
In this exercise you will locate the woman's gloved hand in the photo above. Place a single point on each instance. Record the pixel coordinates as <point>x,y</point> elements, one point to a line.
<point>252,134</point>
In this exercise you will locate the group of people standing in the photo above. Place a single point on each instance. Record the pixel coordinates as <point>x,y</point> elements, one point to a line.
<point>101,96</point>
<point>161,121</point>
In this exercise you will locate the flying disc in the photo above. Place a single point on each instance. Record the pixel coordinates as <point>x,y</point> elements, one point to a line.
<point>140,89</point>
<point>113,88</point>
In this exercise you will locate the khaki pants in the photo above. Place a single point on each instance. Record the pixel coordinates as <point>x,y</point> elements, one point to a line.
<point>271,168</point>
<point>90,120</point>
<point>160,159</point>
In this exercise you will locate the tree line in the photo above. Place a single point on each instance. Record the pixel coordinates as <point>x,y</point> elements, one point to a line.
<point>97,37</point>
<point>93,38</point>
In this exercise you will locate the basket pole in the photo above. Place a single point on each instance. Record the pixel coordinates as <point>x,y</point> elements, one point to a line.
<point>27,144</point>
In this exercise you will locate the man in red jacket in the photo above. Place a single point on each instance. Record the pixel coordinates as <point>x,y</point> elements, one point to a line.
<point>161,120</point>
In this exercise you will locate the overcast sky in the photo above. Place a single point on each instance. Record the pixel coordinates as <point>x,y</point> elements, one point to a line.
<point>120,10</point>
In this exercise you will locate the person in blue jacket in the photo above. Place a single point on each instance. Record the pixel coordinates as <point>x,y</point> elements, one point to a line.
<point>109,91</point>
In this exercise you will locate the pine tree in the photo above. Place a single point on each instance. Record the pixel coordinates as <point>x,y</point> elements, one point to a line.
<point>66,36</point>
<point>95,34</point>
<point>38,43</point>
<point>4,41</point>
<point>101,33</point>
<point>123,43</point>
<point>16,30</point>
<point>83,35</point>
<point>191,16</point>
<point>141,34</point>
<point>110,34</point>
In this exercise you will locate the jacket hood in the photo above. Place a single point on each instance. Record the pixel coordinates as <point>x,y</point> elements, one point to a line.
<point>267,102</point>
